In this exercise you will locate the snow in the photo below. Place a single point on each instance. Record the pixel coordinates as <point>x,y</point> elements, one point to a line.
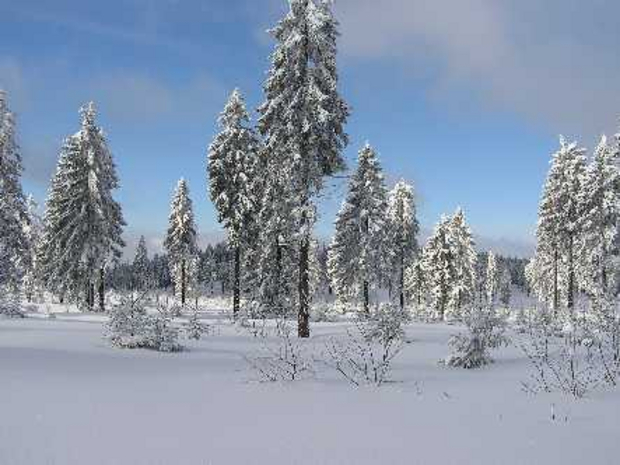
<point>67,398</point>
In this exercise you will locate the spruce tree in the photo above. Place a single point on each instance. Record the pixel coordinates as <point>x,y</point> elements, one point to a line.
<point>402,231</point>
<point>601,220</point>
<point>141,268</point>
<point>302,120</point>
<point>560,225</point>
<point>492,279</point>
<point>83,223</point>
<point>357,255</point>
<point>15,250</point>
<point>438,269</point>
<point>464,257</point>
<point>232,165</point>
<point>180,242</point>
<point>32,229</point>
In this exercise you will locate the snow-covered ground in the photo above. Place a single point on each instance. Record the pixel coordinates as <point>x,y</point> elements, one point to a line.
<point>66,398</point>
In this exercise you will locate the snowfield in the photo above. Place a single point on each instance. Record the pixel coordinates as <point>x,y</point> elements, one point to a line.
<point>67,398</point>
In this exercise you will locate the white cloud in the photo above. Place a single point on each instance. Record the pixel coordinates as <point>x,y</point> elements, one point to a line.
<point>532,58</point>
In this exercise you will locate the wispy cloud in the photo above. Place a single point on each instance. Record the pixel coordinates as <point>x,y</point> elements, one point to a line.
<point>532,58</point>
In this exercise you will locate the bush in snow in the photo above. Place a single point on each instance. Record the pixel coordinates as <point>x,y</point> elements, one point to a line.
<point>574,360</point>
<point>323,312</point>
<point>284,359</point>
<point>9,305</point>
<point>129,327</point>
<point>194,328</point>
<point>485,331</point>
<point>366,353</point>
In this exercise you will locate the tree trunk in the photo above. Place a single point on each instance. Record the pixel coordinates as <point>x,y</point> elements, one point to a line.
<point>571,277</point>
<point>183,284</point>
<point>237,282</point>
<point>556,297</point>
<point>366,298</point>
<point>303,323</point>
<point>102,290</point>
<point>402,281</point>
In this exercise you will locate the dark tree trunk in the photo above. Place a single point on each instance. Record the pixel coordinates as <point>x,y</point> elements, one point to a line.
<point>102,290</point>
<point>556,297</point>
<point>571,277</point>
<point>366,298</point>
<point>402,281</point>
<point>183,283</point>
<point>303,323</point>
<point>237,282</point>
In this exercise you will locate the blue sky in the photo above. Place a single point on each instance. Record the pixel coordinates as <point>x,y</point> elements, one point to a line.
<point>465,97</point>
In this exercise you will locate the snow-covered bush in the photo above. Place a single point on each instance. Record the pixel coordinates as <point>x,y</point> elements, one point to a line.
<point>284,359</point>
<point>9,305</point>
<point>194,328</point>
<point>129,327</point>
<point>485,331</point>
<point>323,311</point>
<point>366,353</point>
<point>569,362</point>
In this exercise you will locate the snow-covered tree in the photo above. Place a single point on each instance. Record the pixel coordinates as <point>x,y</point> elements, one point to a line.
<point>560,224</point>
<point>180,242</point>
<point>437,266</point>
<point>601,220</point>
<point>15,249</point>
<point>357,256</point>
<point>415,284</point>
<point>232,171</point>
<point>505,286</point>
<point>402,230</point>
<point>141,267</point>
<point>303,121</point>
<point>32,229</point>
<point>491,279</point>
<point>83,223</point>
<point>464,257</point>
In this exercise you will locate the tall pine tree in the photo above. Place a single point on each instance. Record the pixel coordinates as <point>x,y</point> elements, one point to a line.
<point>180,242</point>
<point>141,268</point>
<point>464,259</point>
<point>601,195</point>
<point>357,256</point>
<point>402,231</point>
<point>232,172</point>
<point>83,223</point>
<point>14,247</point>
<point>554,270</point>
<point>303,121</point>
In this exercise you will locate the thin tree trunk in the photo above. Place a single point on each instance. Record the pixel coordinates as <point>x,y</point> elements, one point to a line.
<point>102,290</point>
<point>366,298</point>
<point>303,323</point>
<point>237,282</point>
<point>571,277</point>
<point>402,281</point>
<point>556,298</point>
<point>183,284</point>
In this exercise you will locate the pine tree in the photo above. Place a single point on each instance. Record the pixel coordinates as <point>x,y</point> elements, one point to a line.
<point>232,175</point>
<point>402,231</point>
<point>415,284</point>
<point>601,219</point>
<point>82,223</point>
<point>15,252</point>
<point>32,230</point>
<point>302,120</point>
<point>438,268</point>
<point>357,258</point>
<point>492,280</point>
<point>141,269</point>
<point>560,225</point>
<point>180,242</point>
<point>464,258</point>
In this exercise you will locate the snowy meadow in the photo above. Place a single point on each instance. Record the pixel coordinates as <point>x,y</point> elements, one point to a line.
<point>380,345</point>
